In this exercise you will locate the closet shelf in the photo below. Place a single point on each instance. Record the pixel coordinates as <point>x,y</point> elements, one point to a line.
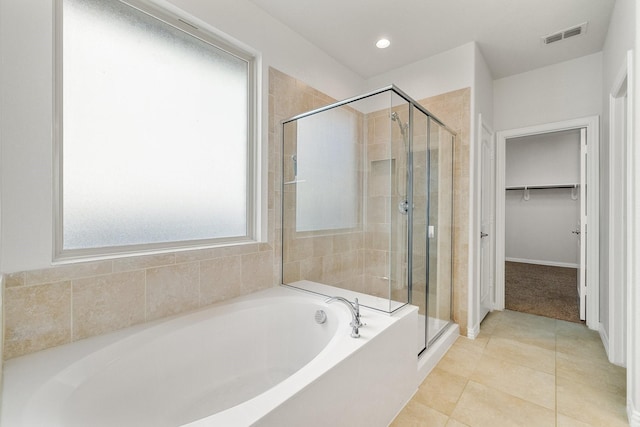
<point>541,187</point>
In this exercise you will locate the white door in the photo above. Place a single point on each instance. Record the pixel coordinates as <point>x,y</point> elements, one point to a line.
<point>487,234</point>
<point>582,236</point>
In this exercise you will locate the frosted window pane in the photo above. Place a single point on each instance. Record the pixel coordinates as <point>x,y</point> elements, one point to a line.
<point>327,166</point>
<point>155,131</point>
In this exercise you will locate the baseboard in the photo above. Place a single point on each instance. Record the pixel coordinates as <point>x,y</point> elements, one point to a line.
<point>605,339</point>
<point>473,332</point>
<point>540,262</point>
<point>633,414</point>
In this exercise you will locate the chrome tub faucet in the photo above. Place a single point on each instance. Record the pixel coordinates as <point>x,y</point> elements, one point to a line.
<point>354,308</point>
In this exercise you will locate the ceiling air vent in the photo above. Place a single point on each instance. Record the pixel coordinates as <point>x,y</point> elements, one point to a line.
<point>565,34</point>
<point>552,38</point>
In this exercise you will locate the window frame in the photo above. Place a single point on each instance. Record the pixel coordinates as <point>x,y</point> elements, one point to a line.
<point>199,30</point>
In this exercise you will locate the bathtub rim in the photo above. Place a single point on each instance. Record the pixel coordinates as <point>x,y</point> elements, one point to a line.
<point>25,379</point>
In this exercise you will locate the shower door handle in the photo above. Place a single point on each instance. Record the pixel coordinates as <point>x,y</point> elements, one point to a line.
<point>403,207</point>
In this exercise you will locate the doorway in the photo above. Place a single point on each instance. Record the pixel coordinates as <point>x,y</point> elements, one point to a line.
<point>543,224</point>
<point>584,189</point>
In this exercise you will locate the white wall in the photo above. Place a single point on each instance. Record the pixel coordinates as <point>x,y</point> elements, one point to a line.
<point>482,104</point>
<point>483,88</point>
<point>26,54</point>
<point>633,317</point>
<point>280,46</point>
<point>550,94</point>
<point>445,72</point>
<point>620,39</point>
<point>538,230</point>
<point>548,159</point>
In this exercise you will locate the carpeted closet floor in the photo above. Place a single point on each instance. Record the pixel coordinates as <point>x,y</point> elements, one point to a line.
<point>542,290</point>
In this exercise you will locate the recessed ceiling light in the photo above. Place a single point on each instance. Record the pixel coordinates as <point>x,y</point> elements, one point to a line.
<point>383,43</point>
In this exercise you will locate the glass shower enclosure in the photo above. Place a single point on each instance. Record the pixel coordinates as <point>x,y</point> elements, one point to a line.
<point>367,206</point>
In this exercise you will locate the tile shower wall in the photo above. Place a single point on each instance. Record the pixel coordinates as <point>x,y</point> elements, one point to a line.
<point>335,259</point>
<point>454,109</point>
<point>322,259</point>
<point>385,250</point>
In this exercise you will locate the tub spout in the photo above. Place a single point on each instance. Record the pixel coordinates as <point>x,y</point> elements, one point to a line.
<point>354,308</point>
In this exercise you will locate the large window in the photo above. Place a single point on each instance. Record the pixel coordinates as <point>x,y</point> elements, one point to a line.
<point>155,141</point>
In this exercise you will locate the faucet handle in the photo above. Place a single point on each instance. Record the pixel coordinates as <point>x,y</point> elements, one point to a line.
<point>356,306</point>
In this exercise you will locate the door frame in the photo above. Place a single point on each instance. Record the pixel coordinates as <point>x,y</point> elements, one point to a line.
<point>591,123</point>
<point>483,128</point>
<point>620,146</point>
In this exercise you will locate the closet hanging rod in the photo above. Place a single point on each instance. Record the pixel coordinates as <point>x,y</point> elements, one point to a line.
<point>542,187</point>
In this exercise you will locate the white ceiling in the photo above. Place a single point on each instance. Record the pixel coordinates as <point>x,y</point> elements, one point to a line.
<point>508,31</point>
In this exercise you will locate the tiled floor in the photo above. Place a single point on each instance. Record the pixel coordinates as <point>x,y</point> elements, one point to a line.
<point>523,370</point>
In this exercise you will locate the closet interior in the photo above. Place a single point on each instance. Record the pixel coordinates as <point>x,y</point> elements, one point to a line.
<point>543,224</point>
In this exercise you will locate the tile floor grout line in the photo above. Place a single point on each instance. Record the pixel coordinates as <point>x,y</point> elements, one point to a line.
<point>566,337</point>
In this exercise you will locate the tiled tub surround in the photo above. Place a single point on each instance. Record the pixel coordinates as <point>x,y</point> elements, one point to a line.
<point>46,308</point>
<point>275,367</point>
<point>58,305</point>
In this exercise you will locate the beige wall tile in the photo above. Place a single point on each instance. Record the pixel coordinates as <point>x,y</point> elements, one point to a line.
<point>107,303</point>
<point>257,271</point>
<point>312,268</point>
<point>36,317</point>
<point>14,279</point>
<point>68,272</point>
<point>220,279</point>
<point>141,262</point>
<point>292,271</point>
<point>171,290</point>
<point>183,257</point>
<point>322,246</point>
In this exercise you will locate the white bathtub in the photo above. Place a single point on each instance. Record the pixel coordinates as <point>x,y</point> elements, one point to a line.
<point>256,360</point>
